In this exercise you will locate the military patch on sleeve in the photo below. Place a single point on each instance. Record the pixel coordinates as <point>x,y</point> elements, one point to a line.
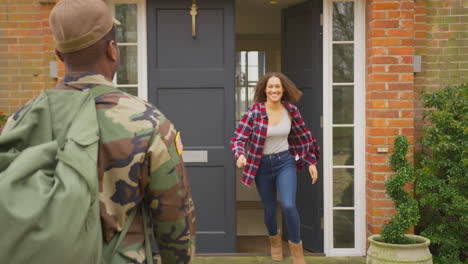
<point>178,143</point>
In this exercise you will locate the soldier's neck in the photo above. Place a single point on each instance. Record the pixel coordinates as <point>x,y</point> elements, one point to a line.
<point>106,72</point>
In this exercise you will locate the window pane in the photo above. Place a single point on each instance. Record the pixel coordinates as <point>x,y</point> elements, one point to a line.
<point>343,187</point>
<point>343,63</point>
<point>127,30</point>
<point>343,229</point>
<point>130,90</point>
<point>128,67</point>
<point>343,146</point>
<point>250,67</point>
<point>343,21</point>
<point>343,105</point>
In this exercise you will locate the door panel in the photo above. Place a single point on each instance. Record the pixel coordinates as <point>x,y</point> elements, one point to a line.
<point>302,62</point>
<point>192,81</point>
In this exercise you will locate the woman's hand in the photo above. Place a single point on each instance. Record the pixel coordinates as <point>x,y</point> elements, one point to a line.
<point>313,173</point>
<point>241,162</point>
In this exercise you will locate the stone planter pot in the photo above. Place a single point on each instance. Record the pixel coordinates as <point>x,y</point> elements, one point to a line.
<point>383,253</point>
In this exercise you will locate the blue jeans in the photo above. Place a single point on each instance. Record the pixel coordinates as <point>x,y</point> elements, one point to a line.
<point>278,171</point>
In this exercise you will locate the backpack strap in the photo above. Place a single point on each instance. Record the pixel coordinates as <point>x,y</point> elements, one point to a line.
<point>148,250</point>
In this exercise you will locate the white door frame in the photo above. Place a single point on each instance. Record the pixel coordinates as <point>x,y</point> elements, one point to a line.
<point>359,130</point>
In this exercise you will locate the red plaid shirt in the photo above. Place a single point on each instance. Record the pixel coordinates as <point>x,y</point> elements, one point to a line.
<point>253,130</point>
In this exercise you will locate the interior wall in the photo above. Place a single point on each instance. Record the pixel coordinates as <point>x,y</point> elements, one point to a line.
<point>258,29</point>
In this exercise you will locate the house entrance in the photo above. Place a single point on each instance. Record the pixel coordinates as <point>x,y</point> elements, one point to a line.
<point>280,36</point>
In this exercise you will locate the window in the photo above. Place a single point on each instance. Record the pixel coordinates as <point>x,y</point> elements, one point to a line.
<point>250,67</point>
<point>344,129</point>
<point>131,39</point>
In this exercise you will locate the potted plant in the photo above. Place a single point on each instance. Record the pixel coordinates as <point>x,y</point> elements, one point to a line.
<point>393,245</point>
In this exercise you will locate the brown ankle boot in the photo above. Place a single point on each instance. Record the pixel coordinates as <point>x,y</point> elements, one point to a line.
<point>276,247</point>
<point>296,253</point>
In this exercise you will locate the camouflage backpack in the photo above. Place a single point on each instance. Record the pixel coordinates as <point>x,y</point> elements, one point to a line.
<point>49,202</point>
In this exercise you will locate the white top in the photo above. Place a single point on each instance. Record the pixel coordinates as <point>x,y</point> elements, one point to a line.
<point>277,136</point>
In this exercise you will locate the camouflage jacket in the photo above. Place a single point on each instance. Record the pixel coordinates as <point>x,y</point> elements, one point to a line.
<point>139,162</point>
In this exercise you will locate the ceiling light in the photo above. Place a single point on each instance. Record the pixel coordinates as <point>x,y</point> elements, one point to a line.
<point>273,2</point>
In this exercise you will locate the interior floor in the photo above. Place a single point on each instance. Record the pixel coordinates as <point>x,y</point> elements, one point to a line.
<point>252,237</point>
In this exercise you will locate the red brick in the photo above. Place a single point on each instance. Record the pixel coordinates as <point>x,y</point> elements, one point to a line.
<point>383,60</point>
<point>377,33</point>
<point>376,51</point>
<point>407,42</point>
<point>407,131</point>
<point>407,23</point>
<point>400,32</point>
<point>376,185</point>
<point>406,59</point>
<point>383,204</point>
<point>378,15</point>
<point>385,41</point>
<point>376,104</point>
<point>378,212</point>
<point>407,5</point>
<point>401,123</point>
<point>376,69</point>
<point>379,221</point>
<point>382,95</point>
<point>384,6</point>
<point>407,15</point>
<point>384,24</point>
<point>407,77</point>
<point>379,177</point>
<point>383,77</point>
<point>377,140</point>
<point>377,159</point>
<point>393,14</point>
<point>376,194</point>
<point>399,104</point>
<point>400,86</point>
<point>407,113</point>
<point>376,122</point>
<point>382,131</point>
<point>400,68</point>
<point>406,95</point>
<point>382,114</point>
<point>400,51</point>
<point>375,86</point>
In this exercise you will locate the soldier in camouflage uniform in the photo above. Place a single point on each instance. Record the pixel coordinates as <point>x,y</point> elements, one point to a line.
<point>140,149</point>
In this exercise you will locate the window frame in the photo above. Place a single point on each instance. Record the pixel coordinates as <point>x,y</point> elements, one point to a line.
<point>142,71</point>
<point>359,207</point>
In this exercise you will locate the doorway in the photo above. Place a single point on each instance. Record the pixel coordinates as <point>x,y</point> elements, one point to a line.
<point>267,36</point>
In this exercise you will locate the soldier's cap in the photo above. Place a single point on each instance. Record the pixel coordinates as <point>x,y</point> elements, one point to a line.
<point>78,24</point>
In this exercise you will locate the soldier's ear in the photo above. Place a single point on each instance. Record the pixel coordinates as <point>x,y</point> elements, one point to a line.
<point>59,55</point>
<point>113,51</point>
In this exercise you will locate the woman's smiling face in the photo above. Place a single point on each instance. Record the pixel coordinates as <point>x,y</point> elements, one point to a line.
<point>274,90</point>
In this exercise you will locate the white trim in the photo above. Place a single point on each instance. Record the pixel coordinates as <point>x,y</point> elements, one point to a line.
<point>327,129</point>
<point>360,116</point>
<point>359,130</point>
<point>141,45</point>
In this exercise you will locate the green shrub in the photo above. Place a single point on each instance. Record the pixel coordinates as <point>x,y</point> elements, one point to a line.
<point>407,208</point>
<point>441,184</point>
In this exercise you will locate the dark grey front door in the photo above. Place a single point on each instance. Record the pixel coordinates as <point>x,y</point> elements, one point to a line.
<point>302,62</point>
<point>192,81</point>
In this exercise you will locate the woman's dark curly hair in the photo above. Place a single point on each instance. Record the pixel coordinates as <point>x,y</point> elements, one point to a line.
<point>291,92</point>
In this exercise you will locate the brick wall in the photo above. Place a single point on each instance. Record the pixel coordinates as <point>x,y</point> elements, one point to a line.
<point>389,97</point>
<point>441,39</point>
<point>26,48</point>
